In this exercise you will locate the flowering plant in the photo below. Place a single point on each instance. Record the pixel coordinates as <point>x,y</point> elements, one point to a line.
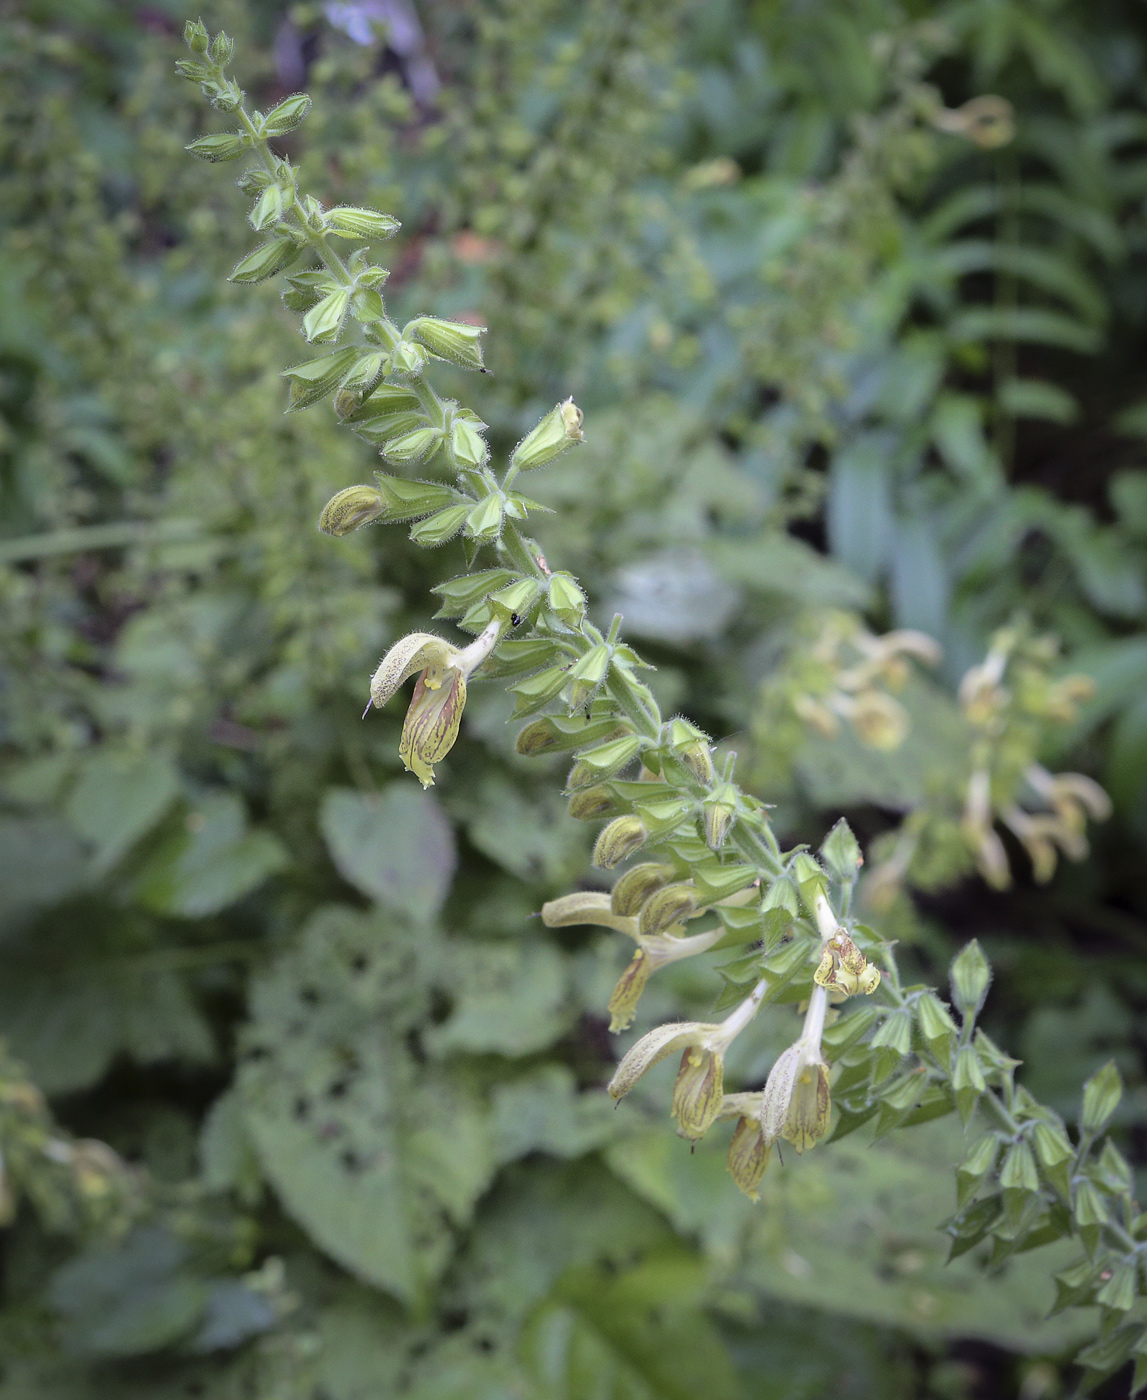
<point>871,1049</point>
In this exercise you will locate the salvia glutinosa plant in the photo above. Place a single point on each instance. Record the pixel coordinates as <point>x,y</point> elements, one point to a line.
<point>870,1045</point>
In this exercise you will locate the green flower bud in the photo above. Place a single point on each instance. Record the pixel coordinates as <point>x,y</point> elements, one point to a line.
<point>637,885</point>
<point>407,500</point>
<point>667,907</point>
<point>559,429</point>
<point>408,358</point>
<point>587,675</point>
<point>1054,1153</point>
<point>1101,1095</point>
<point>391,427</point>
<point>967,1082</point>
<point>1019,1178</point>
<point>460,594</point>
<point>580,776</point>
<point>698,1092</point>
<point>436,529</point>
<point>566,599</point>
<point>841,853</point>
<point>469,447</point>
<point>662,813</point>
<point>411,447</point>
<point>593,802</point>
<point>749,1153</point>
<point>313,380</point>
<point>555,734</point>
<point>720,809</point>
<point>226,145</point>
<point>971,976</point>
<point>196,37</point>
<point>536,691</point>
<point>485,519</point>
<point>350,509</point>
<point>515,599</point>
<point>1090,1212</point>
<point>359,223</point>
<point>287,115</point>
<point>450,340</point>
<point>366,305</point>
<point>611,757</point>
<point>691,747</point>
<point>974,1168</point>
<point>265,261</point>
<point>810,880</point>
<point>781,895</point>
<point>936,1026</point>
<point>222,49</point>
<point>367,372</point>
<point>620,838</point>
<point>268,208</point>
<point>325,321</point>
<point>1120,1290</point>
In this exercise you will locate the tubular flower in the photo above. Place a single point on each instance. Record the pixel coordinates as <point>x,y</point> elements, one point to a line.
<point>796,1103</point>
<point>653,951</point>
<point>435,711</point>
<point>699,1091</point>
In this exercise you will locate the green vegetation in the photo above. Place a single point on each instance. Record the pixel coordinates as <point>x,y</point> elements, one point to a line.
<point>850,299</point>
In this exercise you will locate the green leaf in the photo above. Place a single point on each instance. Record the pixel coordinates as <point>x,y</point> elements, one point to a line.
<point>119,797</point>
<point>372,1154</point>
<point>396,846</point>
<point>212,863</point>
<point>544,1112</point>
<point>129,1299</point>
<point>509,999</point>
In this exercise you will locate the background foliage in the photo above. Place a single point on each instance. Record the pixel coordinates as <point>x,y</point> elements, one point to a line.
<point>832,355</point>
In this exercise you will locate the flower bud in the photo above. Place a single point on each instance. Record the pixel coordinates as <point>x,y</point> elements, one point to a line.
<point>810,879</point>
<point>587,675</point>
<point>287,115</point>
<point>350,509</point>
<point>410,447</point>
<point>365,375</point>
<point>619,839</point>
<point>720,808</point>
<point>357,223</point>
<point>841,852</point>
<point>196,37</point>
<point>975,1167</point>
<point>538,690</point>
<point>316,378</point>
<point>1054,1153</point>
<point>698,1092</point>
<point>667,907</point>
<point>559,429</point>
<point>622,1004</point>
<point>408,358</point>
<point>324,321</point>
<point>406,500</point>
<point>265,261</point>
<point>970,976</point>
<point>593,802</point>
<point>637,885</point>
<point>748,1157</point>
<point>485,519</point>
<point>1101,1095</point>
<point>450,340</point>
<point>610,758</point>
<point>554,733</point>
<point>967,1082</point>
<point>226,145</point>
<point>566,599</point>
<point>436,529</point>
<point>1090,1211</point>
<point>468,446</point>
<point>691,747</point>
<point>936,1025</point>
<point>515,599</point>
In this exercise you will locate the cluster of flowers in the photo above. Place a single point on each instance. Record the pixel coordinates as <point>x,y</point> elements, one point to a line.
<point>709,847</point>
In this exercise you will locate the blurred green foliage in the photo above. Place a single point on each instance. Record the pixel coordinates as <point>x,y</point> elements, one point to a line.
<point>833,353</point>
